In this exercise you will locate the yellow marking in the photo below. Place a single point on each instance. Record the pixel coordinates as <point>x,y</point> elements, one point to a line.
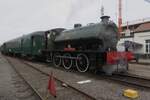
<point>130,93</point>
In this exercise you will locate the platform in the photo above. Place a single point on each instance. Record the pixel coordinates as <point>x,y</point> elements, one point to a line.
<point>140,70</point>
<point>142,61</point>
<point>146,61</point>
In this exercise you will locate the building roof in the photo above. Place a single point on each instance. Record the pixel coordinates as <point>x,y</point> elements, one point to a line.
<point>136,22</point>
<point>143,27</point>
<point>136,26</point>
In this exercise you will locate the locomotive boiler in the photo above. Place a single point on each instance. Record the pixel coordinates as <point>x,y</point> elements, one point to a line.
<point>101,36</point>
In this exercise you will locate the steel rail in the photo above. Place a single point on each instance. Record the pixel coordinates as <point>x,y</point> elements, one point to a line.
<point>130,80</point>
<point>34,90</point>
<point>139,81</point>
<point>123,78</point>
<point>74,88</point>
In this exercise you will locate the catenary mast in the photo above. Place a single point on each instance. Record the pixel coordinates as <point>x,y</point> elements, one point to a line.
<point>120,17</point>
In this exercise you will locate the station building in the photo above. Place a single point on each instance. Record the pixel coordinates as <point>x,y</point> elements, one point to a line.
<point>136,37</point>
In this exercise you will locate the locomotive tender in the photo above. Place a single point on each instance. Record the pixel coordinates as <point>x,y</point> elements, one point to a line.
<point>89,47</point>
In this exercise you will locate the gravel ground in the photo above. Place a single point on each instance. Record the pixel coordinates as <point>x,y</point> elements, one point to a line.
<point>12,87</point>
<point>6,86</point>
<point>23,90</point>
<point>141,70</point>
<point>98,88</point>
<point>40,82</point>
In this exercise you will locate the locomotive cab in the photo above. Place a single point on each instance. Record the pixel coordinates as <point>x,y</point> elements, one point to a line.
<point>50,36</point>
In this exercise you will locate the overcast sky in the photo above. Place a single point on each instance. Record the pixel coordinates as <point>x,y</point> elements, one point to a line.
<point>18,17</point>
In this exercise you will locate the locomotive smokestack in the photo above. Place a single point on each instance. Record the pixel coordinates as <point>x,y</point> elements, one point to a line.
<point>105,18</point>
<point>77,25</point>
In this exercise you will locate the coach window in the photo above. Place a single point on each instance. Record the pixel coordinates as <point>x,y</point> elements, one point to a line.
<point>48,36</point>
<point>147,46</point>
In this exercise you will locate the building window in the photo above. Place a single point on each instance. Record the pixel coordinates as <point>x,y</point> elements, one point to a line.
<point>132,34</point>
<point>147,46</point>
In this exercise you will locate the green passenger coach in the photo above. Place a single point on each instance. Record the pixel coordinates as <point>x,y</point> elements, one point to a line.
<point>32,44</point>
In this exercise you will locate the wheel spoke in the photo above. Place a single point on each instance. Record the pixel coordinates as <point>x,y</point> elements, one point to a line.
<point>82,63</point>
<point>56,60</point>
<point>67,62</point>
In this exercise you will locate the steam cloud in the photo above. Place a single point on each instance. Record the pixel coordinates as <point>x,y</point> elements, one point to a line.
<point>78,6</point>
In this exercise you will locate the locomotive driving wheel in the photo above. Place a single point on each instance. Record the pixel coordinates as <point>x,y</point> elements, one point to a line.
<point>82,62</point>
<point>67,62</point>
<point>57,59</point>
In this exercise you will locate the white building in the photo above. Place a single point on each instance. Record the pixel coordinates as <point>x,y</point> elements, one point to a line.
<point>136,37</point>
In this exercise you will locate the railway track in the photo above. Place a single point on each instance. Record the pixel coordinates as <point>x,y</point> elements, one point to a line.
<point>125,79</point>
<point>36,95</point>
<point>130,79</point>
<point>83,94</point>
<point>87,95</point>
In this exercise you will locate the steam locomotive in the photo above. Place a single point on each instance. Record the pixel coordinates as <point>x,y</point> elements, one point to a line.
<point>84,47</point>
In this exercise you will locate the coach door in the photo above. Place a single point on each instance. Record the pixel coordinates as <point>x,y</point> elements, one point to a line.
<point>37,45</point>
<point>22,46</point>
<point>33,44</point>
